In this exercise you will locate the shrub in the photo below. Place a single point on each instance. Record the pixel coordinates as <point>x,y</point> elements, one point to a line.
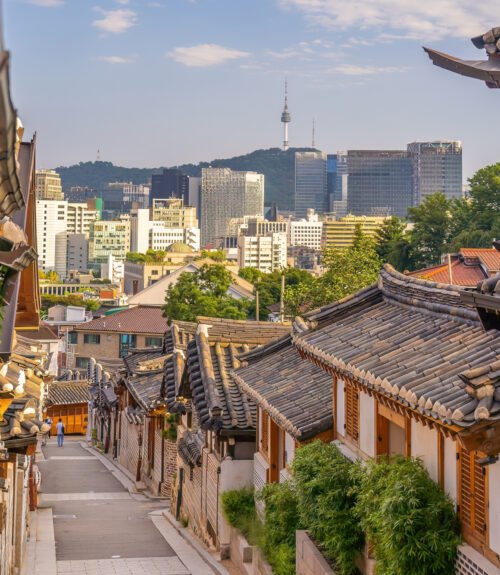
<point>281,520</point>
<point>409,520</point>
<point>239,508</point>
<point>326,487</point>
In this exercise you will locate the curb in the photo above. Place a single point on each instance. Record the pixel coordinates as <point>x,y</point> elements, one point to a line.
<point>195,544</point>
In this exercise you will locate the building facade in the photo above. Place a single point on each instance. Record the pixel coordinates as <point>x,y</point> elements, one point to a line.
<point>48,185</point>
<point>311,189</point>
<point>307,232</point>
<point>51,220</point>
<point>174,213</point>
<point>77,253</point>
<point>109,238</point>
<point>80,216</point>
<point>265,253</point>
<point>227,194</point>
<point>171,183</point>
<point>379,182</point>
<point>437,167</point>
<point>341,233</point>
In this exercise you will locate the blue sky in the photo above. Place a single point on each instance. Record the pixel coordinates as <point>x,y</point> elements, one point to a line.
<point>164,82</point>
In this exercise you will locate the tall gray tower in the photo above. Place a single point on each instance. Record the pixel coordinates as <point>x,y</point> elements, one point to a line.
<point>285,119</point>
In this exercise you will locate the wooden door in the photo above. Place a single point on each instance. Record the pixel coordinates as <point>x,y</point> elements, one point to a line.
<point>473,498</point>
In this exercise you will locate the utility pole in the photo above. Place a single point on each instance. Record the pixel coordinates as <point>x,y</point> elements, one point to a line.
<point>282,298</point>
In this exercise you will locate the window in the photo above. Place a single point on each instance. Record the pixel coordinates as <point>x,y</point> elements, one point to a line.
<point>72,337</point>
<point>154,342</point>
<point>351,412</point>
<point>94,338</point>
<point>473,497</point>
<point>82,362</point>
<point>127,341</point>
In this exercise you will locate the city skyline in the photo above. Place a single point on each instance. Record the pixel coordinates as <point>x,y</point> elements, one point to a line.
<point>363,78</point>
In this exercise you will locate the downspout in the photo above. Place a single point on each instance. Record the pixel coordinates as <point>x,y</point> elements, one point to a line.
<point>139,459</point>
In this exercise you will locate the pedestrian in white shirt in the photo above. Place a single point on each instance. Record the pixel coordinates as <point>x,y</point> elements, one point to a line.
<point>60,432</point>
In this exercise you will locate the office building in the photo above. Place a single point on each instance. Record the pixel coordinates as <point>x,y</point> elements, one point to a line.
<point>307,232</point>
<point>174,213</point>
<point>109,237</point>
<point>262,227</point>
<point>340,233</point>
<point>51,229</point>
<point>310,183</point>
<point>171,183</point>
<point>227,194</point>
<point>80,216</point>
<point>194,195</point>
<point>437,167</point>
<point>48,185</point>
<point>77,253</point>
<point>120,197</point>
<point>379,182</point>
<point>266,253</point>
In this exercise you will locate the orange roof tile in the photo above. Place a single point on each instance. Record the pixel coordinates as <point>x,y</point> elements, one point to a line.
<point>463,275</point>
<point>490,257</point>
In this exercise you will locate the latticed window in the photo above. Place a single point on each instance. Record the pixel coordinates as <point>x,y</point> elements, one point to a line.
<point>473,502</point>
<point>351,412</point>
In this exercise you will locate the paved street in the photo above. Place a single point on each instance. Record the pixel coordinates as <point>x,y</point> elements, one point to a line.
<point>102,529</point>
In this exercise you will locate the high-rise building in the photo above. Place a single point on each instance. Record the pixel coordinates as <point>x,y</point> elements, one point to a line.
<point>77,253</point>
<point>80,216</point>
<point>120,197</point>
<point>174,213</point>
<point>437,167</point>
<point>340,233</point>
<point>266,253</point>
<point>227,194</point>
<point>51,230</point>
<point>171,183</point>
<point>194,195</point>
<point>109,238</point>
<point>307,232</point>
<point>48,185</point>
<point>379,182</point>
<point>310,183</point>
<point>262,227</point>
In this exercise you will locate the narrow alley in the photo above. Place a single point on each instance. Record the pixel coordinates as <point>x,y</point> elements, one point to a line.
<point>100,528</point>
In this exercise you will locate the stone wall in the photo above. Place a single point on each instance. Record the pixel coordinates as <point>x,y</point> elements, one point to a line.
<point>309,560</point>
<point>129,444</point>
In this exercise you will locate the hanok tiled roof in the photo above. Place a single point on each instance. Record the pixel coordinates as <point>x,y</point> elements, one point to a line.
<point>489,257</point>
<point>411,340</point>
<point>175,341</point>
<point>211,356</point>
<point>294,392</point>
<point>19,425</point>
<point>467,275</point>
<point>68,392</point>
<point>141,319</point>
<point>138,358</point>
<point>145,389</point>
<point>190,446</point>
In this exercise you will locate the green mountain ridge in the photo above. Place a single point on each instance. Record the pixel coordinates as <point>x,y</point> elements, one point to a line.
<point>277,166</point>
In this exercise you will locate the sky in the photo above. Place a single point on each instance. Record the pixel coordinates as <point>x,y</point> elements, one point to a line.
<point>166,82</point>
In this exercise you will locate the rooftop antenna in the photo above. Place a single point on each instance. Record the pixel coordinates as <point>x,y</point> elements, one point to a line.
<point>285,119</point>
<point>98,155</point>
<point>314,135</point>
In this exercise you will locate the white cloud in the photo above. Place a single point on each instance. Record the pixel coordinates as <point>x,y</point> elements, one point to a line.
<point>122,2</point>
<point>47,3</point>
<point>115,21</point>
<point>354,70</point>
<point>204,55</point>
<point>412,19</point>
<point>117,59</point>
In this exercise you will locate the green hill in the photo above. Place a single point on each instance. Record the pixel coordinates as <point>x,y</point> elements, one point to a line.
<point>274,163</point>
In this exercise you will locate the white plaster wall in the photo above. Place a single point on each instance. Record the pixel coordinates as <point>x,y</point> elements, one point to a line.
<point>450,468</point>
<point>340,407</point>
<point>494,487</point>
<point>424,446</point>
<point>289,448</point>
<point>367,424</point>
<point>236,474</point>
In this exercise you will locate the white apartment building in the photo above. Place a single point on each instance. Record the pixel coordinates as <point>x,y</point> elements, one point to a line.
<point>80,216</point>
<point>266,253</point>
<point>51,224</point>
<point>77,253</point>
<point>109,237</point>
<point>48,185</point>
<point>307,232</point>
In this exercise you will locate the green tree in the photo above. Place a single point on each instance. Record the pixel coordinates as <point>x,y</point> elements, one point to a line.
<point>485,196</point>
<point>347,270</point>
<point>388,239</point>
<point>135,257</point>
<point>69,299</point>
<point>203,293</point>
<point>215,255</point>
<point>431,230</point>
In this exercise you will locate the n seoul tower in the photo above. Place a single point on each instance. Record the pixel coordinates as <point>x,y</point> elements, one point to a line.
<point>285,119</point>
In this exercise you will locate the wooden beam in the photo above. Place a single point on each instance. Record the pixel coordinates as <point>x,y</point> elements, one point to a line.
<point>440,454</point>
<point>407,436</point>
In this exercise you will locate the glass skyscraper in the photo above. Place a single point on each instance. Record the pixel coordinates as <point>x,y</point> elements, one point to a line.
<point>437,167</point>
<point>310,183</point>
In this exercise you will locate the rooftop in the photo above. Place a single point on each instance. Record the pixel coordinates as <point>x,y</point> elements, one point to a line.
<point>140,319</point>
<point>68,392</point>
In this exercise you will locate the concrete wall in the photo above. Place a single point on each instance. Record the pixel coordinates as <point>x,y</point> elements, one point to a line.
<point>424,445</point>
<point>494,487</point>
<point>367,424</point>
<point>309,560</point>
<point>450,468</point>
<point>129,444</point>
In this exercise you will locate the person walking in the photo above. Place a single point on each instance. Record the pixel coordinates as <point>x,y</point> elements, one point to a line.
<point>60,433</point>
